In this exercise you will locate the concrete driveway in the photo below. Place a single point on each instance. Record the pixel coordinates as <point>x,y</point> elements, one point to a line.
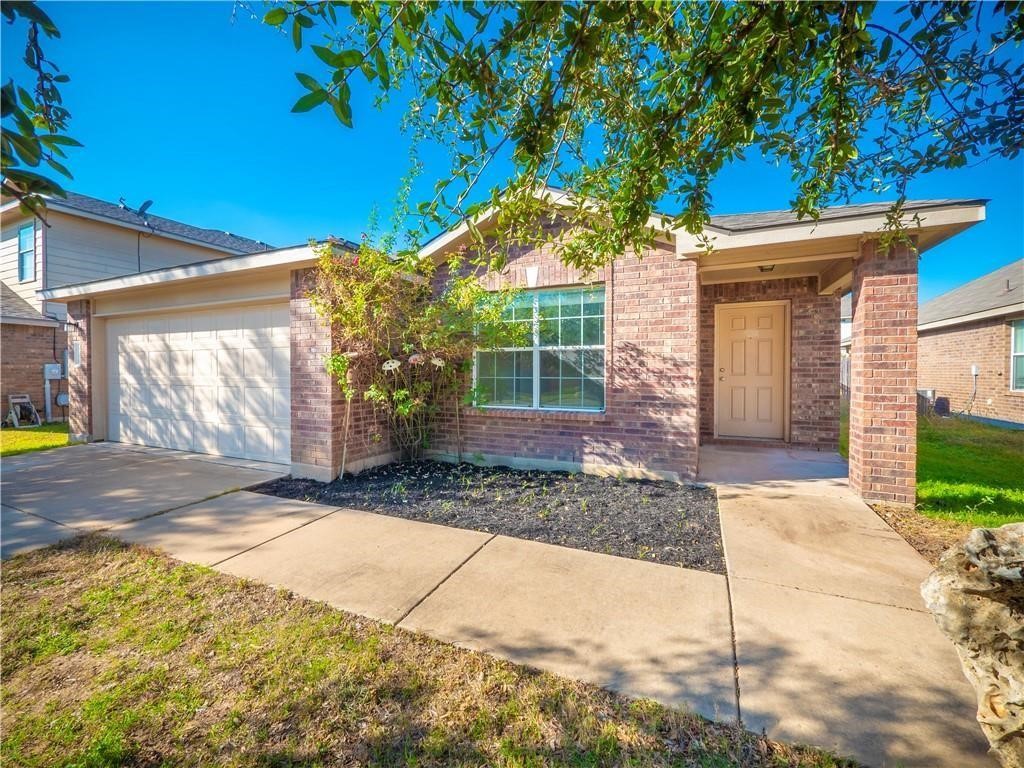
<point>51,495</point>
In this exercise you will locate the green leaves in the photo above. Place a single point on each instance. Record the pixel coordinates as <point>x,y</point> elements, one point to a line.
<point>275,17</point>
<point>310,100</point>
<point>630,105</point>
<point>35,124</point>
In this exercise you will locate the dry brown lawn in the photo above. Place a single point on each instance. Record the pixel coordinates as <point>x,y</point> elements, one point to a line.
<point>115,655</point>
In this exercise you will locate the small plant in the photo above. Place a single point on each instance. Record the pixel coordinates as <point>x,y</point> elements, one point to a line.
<point>583,506</point>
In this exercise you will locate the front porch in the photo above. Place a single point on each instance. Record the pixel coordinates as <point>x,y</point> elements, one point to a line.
<point>769,356</point>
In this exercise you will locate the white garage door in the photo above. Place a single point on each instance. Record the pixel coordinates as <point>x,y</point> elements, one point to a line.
<point>212,381</point>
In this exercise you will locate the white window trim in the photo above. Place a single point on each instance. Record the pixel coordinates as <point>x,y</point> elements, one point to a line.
<point>536,349</point>
<point>1015,353</point>
<point>21,275</point>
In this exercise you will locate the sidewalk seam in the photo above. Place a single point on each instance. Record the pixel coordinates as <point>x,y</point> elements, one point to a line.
<point>833,594</point>
<point>437,586</point>
<point>274,538</point>
<point>43,517</point>
<point>732,614</point>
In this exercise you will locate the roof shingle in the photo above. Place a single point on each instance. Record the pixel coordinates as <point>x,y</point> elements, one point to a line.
<point>13,307</point>
<point>746,222</point>
<point>1002,288</point>
<point>225,241</point>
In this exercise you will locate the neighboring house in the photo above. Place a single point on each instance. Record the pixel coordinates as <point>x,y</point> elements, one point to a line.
<point>971,347</point>
<point>649,357</point>
<point>83,239</point>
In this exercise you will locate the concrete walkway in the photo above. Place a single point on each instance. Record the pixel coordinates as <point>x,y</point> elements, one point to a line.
<point>834,645</point>
<point>643,629</point>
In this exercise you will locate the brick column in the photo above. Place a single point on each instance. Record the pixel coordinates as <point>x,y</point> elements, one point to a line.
<point>883,405</point>
<point>80,417</point>
<point>317,402</point>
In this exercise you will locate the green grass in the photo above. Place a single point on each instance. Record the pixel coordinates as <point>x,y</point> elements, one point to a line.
<point>970,472</point>
<point>114,655</point>
<point>15,441</point>
<point>967,471</point>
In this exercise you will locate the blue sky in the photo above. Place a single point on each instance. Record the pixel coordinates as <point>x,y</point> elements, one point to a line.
<point>188,104</point>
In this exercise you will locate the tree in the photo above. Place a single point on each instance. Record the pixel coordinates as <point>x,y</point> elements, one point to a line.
<point>34,123</point>
<point>627,104</point>
<point>404,334</point>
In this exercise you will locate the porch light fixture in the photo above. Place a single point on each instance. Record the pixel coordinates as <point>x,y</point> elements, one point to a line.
<point>766,268</point>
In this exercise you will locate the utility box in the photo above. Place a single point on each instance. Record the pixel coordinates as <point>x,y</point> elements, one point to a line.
<point>53,371</point>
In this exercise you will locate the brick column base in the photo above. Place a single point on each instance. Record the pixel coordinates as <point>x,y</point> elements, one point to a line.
<point>80,416</point>
<point>883,403</point>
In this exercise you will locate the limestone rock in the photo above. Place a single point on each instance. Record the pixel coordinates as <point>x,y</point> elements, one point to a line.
<point>976,595</point>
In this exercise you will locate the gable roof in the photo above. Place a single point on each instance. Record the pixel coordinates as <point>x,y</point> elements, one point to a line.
<point>94,208</point>
<point>14,309</point>
<point>1001,289</point>
<point>750,222</point>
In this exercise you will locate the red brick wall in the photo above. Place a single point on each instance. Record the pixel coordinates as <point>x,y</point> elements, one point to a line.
<point>318,406</point>
<point>80,417</point>
<point>650,419</point>
<point>814,365</point>
<point>944,360</point>
<point>23,351</point>
<point>883,378</point>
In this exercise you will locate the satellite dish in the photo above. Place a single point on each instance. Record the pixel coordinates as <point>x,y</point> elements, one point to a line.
<point>144,207</point>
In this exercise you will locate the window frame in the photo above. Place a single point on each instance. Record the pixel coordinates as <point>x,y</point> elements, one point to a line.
<point>536,349</point>
<point>24,276</point>
<point>1015,353</point>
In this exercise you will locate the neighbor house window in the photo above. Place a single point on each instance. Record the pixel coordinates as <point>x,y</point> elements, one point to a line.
<point>1017,355</point>
<point>27,253</point>
<point>560,362</point>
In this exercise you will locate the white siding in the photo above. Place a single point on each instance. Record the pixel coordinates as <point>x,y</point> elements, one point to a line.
<point>9,261</point>
<point>80,250</point>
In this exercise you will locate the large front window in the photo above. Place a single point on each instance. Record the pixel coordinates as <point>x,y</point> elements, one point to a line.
<point>557,361</point>
<point>1017,355</point>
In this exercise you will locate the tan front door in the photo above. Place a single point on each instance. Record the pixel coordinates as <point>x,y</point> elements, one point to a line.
<point>750,370</point>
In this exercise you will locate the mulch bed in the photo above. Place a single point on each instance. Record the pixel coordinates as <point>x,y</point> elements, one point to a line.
<point>658,522</point>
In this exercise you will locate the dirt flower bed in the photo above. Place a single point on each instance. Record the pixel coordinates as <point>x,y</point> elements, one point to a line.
<point>929,536</point>
<point>659,522</point>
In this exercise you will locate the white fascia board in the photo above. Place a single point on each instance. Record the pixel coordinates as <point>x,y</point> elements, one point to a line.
<point>871,224</point>
<point>294,257</point>
<point>55,205</point>
<point>985,314</point>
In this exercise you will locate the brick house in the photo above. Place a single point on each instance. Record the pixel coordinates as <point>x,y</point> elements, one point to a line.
<point>82,239</point>
<point>627,371</point>
<point>971,347</point>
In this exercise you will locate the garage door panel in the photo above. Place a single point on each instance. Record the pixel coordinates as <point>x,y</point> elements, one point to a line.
<point>257,363</point>
<point>204,364</point>
<point>280,362</point>
<point>213,381</point>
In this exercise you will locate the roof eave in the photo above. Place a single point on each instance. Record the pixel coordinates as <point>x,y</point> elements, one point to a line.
<point>985,314</point>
